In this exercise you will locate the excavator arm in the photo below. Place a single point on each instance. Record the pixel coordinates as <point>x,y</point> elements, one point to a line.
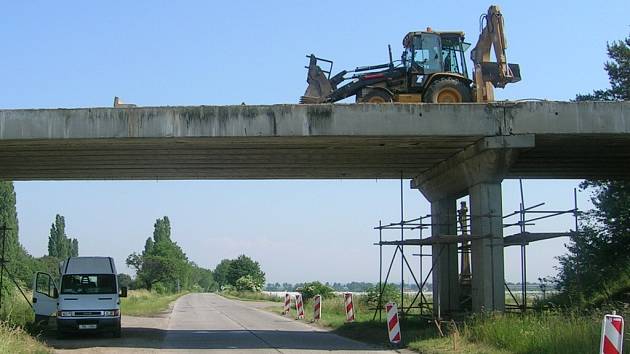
<point>487,74</point>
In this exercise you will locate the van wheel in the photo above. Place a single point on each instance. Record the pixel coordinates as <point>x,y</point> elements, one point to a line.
<point>448,90</point>
<point>377,96</point>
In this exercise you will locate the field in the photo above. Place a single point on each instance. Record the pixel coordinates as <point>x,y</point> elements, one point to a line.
<point>145,303</point>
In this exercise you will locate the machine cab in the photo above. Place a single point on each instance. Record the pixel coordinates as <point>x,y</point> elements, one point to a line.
<point>429,52</point>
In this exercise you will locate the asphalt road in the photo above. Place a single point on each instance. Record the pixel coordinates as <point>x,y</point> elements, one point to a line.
<point>210,323</point>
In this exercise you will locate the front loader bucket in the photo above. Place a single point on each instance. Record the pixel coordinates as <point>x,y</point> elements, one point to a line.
<point>318,84</point>
<point>492,74</point>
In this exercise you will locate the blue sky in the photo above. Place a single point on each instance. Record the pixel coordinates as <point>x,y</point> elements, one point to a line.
<point>154,53</point>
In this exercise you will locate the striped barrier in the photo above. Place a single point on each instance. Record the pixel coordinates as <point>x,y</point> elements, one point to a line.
<point>299,306</point>
<point>349,307</point>
<point>612,335</point>
<point>317,308</point>
<point>393,325</point>
<point>287,304</point>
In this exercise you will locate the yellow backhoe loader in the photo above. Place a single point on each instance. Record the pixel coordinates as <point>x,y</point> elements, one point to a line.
<point>432,69</point>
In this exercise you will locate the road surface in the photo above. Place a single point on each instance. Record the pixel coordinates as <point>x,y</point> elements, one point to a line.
<point>203,323</point>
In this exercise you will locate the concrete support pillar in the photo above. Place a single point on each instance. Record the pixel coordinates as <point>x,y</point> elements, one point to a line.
<point>488,285</point>
<point>445,270</point>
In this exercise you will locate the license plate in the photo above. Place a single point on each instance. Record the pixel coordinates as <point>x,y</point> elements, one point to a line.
<point>87,326</point>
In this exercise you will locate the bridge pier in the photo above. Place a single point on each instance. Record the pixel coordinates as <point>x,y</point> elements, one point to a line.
<point>487,251</point>
<point>477,172</point>
<point>444,256</point>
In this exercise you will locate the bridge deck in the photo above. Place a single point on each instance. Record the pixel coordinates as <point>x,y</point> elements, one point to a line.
<point>572,140</point>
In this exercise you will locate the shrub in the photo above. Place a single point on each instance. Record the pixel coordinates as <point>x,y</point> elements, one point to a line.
<point>390,294</point>
<point>248,283</point>
<point>309,290</point>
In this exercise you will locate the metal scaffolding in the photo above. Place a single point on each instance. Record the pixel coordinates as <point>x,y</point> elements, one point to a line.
<point>525,216</point>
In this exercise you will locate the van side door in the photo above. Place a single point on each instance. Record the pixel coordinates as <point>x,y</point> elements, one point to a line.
<point>45,295</point>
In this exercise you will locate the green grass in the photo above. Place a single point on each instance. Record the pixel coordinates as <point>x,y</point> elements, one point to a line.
<point>14,339</point>
<point>146,303</point>
<point>16,321</point>
<point>250,296</point>
<point>544,333</point>
<point>548,332</point>
<point>16,311</point>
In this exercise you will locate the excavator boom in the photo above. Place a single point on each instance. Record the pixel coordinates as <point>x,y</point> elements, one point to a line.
<point>488,74</point>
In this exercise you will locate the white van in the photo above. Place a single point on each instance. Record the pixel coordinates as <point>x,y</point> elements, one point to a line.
<point>88,299</point>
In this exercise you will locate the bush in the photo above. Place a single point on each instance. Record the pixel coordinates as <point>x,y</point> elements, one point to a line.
<point>160,288</point>
<point>248,283</point>
<point>309,290</point>
<point>390,294</point>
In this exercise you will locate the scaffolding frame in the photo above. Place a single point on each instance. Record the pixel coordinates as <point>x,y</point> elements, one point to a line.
<point>526,216</point>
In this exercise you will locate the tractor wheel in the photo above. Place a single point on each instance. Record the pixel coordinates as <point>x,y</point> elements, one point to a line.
<point>377,96</point>
<point>447,90</point>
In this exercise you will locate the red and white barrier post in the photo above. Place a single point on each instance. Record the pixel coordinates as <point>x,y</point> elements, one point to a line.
<point>287,304</point>
<point>317,308</point>
<point>612,335</point>
<point>393,325</point>
<point>299,306</point>
<point>349,307</point>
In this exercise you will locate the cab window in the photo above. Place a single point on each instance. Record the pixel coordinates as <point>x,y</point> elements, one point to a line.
<point>88,284</point>
<point>428,53</point>
<point>453,53</point>
<point>44,285</point>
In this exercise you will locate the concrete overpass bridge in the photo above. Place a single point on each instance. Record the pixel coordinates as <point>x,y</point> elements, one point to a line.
<point>448,151</point>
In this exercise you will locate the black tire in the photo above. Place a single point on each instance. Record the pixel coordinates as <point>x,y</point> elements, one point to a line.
<point>447,90</point>
<point>377,96</point>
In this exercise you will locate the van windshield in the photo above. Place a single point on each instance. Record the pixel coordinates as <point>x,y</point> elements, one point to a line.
<point>88,284</point>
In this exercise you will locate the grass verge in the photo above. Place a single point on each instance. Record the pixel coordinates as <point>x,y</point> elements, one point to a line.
<point>250,296</point>
<point>16,321</point>
<point>544,333</point>
<point>14,339</point>
<point>146,303</point>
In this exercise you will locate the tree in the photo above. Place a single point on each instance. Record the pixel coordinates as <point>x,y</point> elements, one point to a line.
<point>221,272</point>
<point>75,248</point>
<point>247,283</point>
<point>59,245</point>
<point>242,266</point>
<point>162,230</point>
<point>309,290</point>
<point>148,245</point>
<point>600,253</point>
<point>125,280</point>
<point>229,271</point>
<point>20,261</point>
<point>618,69</point>
<point>163,262</point>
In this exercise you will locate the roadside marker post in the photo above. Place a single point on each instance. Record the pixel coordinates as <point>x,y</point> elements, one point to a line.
<point>612,335</point>
<point>299,306</point>
<point>287,304</point>
<point>317,308</point>
<point>349,307</point>
<point>393,325</point>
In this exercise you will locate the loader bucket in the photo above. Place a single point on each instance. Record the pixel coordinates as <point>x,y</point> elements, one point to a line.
<point>492,74</point>
<point>318,84</point>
